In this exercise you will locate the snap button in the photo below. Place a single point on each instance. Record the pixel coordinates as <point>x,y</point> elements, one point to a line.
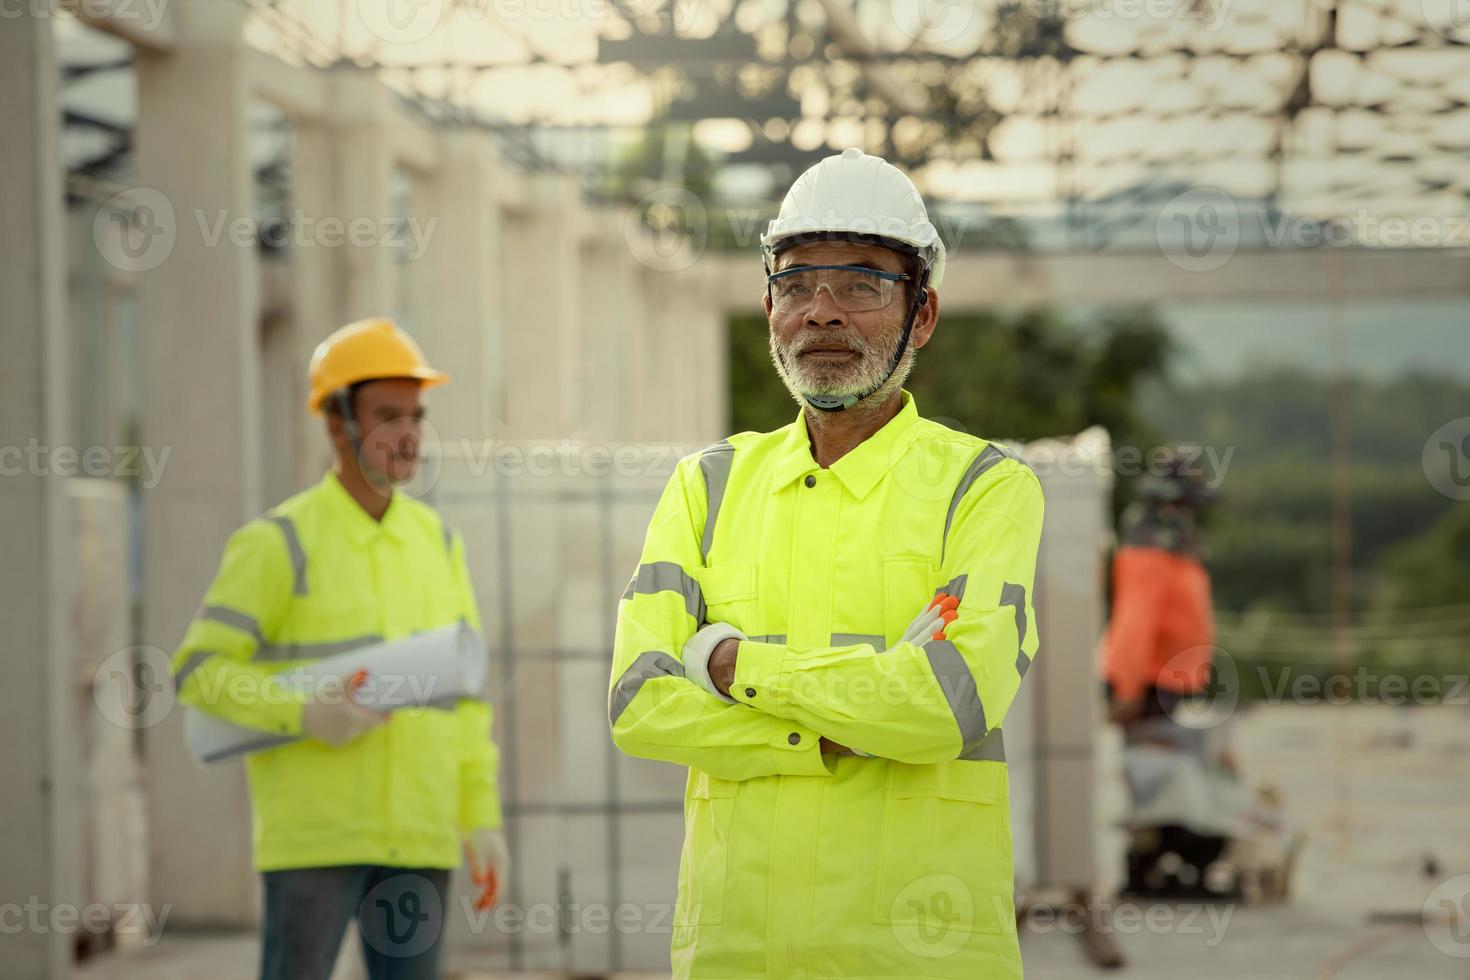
<point>811,481</point>
<point>793,738</point>
<point>750,692</point>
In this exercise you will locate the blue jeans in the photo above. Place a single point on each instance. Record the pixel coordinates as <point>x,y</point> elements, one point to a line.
<point>401,914</point>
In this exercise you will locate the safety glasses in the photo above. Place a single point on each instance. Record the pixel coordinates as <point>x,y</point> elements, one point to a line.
<point>854,288</point>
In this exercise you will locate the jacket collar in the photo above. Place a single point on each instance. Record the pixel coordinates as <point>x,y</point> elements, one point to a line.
<point>864,466</point>
<point>347,515</point>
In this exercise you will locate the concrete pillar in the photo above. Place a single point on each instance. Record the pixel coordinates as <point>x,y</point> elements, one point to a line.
<point>37,748</point>
<point>361,191</point>
<point>318,303</point>
<point>610,324</point>
<point>542,342</point>
<point>456,289</point>
<point>661,397</point>
<point>199,311</point>
<point>707,326</point>
<point>341,173</point>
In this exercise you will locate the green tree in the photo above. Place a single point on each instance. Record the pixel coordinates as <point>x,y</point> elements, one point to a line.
<point>1432,569</point>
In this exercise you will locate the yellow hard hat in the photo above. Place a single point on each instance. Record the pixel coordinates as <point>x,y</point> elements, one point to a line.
<point>364,351</point>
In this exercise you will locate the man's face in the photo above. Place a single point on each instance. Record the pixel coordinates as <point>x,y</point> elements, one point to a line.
<point>822,350</point>
<point>389,417</point>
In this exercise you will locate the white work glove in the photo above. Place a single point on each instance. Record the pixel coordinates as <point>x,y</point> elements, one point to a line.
<point>930,624</point>
<point>697,653</point>
<point>338,719</point>
<point>488,855</point>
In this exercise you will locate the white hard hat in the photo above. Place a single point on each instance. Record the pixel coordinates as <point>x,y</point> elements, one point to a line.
<point>854,195</point>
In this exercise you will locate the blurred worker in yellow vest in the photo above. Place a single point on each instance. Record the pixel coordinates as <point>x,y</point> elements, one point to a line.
<point>368,813</point>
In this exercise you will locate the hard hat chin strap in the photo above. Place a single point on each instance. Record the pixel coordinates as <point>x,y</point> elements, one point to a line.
<point>343,397</point>
<point>840,403</point>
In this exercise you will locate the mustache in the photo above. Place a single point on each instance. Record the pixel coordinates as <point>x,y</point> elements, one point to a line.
<point>856,344</point>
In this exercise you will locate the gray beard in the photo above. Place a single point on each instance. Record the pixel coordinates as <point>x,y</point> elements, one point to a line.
<point>873,361</point>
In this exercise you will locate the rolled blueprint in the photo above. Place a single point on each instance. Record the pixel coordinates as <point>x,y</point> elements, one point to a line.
<point>436,667</point>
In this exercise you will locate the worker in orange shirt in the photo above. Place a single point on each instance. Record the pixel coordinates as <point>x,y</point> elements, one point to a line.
<point>1159,641</point>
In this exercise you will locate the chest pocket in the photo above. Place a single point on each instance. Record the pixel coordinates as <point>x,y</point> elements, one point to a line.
<point>730,594</point>
<point>908,585</point>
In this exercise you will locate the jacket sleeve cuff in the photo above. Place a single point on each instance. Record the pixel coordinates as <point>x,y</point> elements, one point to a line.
<point>759,680</point>
<point>799,753</point>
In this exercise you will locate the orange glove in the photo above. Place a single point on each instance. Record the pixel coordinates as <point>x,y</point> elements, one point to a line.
<point>489,859</point>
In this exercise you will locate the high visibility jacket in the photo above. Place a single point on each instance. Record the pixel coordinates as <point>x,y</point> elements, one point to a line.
<point>796,864</point>
<point>1162,628</point>
<point>318,576</point>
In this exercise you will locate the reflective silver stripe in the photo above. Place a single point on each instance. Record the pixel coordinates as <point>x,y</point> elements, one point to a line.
<point>715,464</point>
<point>244,622</point>
<point>192,664</point>
<point>1012,594</point>
<point>264,742</point>
<point>293,544</point>
<point>992,748</point>
<point>768,638</point>
<point>876,640</point>
<point>665,576</point>
<point>958,685</point>
<point>956,587</point>
<point>628,592</point>
<point>653,663</point>
<point>987,458</point>
<point>313,651</point>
